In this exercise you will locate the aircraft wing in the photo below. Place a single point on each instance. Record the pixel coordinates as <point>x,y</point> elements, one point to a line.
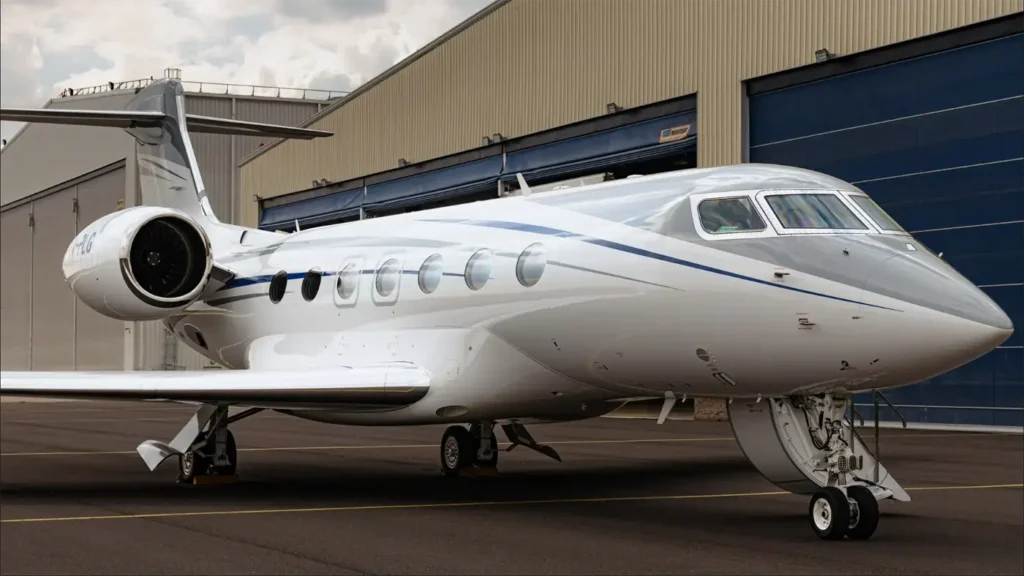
<point>388,384</point>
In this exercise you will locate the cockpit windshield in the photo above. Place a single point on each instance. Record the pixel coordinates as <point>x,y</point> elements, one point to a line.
<point>736,214</point>
<point>814,211</point>
<point>875,212</point>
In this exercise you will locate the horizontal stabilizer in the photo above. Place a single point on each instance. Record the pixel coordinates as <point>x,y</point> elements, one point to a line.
<point>149,119</point>
<point>111,118</point>
<point>210,125</point>
<point>391,384</point>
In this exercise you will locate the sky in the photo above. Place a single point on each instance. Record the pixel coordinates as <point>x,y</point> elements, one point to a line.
<point>49,45</point>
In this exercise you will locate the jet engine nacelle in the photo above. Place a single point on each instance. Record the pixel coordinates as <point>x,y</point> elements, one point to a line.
<point>141,263</point>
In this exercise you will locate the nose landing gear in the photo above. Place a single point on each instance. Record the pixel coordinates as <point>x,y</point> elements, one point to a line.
<point>806,445</point>
<point>835,515</point>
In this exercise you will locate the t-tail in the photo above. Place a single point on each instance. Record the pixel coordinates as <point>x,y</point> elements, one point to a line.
<point>152,261</point>
<point>156,118</point>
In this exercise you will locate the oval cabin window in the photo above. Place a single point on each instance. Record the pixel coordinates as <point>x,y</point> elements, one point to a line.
<point>478,269</point>
<point>387,277</point>
<point>430,273</point>
<point>348,281</point>
<point>531,264</point>
<point>278,286</point>
<point>311,284</point>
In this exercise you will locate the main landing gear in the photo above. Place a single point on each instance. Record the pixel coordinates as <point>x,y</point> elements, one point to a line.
<point>204,446</point>
<point>476,447</point>
<point>806,445</point>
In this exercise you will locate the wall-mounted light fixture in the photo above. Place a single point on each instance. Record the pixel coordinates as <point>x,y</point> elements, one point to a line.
<point>403,162</point>
<point>612,108</point>
<point>822,54</point>
<point>486,141</point>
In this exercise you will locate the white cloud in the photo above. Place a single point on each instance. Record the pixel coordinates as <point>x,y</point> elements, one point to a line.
<point>49,45</point>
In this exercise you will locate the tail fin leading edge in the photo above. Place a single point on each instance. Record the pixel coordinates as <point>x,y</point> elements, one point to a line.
<point>168,171</point>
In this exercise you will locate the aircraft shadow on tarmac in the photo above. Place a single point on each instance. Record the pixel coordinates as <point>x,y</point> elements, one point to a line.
<point>337,482</point>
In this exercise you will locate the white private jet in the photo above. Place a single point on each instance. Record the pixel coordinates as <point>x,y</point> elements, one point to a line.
<point>782,289</point>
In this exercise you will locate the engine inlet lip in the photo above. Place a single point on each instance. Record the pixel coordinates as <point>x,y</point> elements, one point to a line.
<point>129,276</point>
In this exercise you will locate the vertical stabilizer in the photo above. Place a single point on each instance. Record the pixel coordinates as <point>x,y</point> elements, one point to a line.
<point>169,173</point>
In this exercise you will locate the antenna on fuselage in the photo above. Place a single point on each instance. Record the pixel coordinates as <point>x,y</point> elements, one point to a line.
<point>524,188</point>
<point>297,229</point>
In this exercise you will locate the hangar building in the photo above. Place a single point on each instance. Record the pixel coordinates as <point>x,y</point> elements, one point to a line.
<point>918,102</point>
<point>56,180</point>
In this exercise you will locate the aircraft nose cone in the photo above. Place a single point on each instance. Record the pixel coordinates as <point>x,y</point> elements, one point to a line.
<point>951,323</point>
<point>926,280</point>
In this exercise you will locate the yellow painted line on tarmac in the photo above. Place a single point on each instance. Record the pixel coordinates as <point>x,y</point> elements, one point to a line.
<point>437,505</point>
<point>377,446</point>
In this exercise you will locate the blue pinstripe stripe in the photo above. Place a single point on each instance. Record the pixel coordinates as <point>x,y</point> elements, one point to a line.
<point>547,231</point>
<point>555,232</point>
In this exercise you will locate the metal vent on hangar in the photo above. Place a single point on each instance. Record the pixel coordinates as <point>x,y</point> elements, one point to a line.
<point>644,140</point>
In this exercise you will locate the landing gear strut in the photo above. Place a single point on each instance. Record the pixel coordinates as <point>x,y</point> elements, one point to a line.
<point>210,457</point>
<point>204,446</point>
<point>477,447</point>
<point>806,445</point>
<point>462,448</point>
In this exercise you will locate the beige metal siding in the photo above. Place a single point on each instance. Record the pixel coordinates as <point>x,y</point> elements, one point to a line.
<point>284,113</point>
<point>44,155</point>
<point>218,155</point>
<point>15,289</point>
<point>530,65</point>
<point>213,152</point>
<point>99,341</point>
<point>53,303</point>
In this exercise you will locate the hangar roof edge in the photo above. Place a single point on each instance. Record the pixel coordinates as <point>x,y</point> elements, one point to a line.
<point>398,66</point>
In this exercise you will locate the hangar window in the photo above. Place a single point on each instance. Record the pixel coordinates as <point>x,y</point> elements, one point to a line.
<point>734,214</point>
<point>387,277</point>
<point>348,281</point>
<point>277,286</point>
<point>813,211</point>
<point>478,269</point>
<point>430,273</point>
<point>311,284</point>
<point>875,212</point>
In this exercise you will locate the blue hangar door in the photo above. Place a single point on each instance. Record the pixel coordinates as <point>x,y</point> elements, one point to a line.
<point>938,140</point>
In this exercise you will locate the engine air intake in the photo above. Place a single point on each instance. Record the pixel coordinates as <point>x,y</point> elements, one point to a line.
<point>167,258</point>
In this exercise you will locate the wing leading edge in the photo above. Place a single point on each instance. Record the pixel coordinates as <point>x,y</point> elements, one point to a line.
<point>393,384</point>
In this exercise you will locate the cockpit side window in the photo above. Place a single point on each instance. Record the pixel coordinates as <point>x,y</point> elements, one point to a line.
<point>875,212</point>
<point>814,211</point>
<point>726,215</point>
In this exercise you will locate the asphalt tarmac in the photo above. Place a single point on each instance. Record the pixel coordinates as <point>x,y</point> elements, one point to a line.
<point>631,497</point>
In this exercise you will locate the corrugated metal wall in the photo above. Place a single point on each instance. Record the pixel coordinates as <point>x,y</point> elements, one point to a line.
<point>44,325</point>
<point>53,303</point>
<point>99,341</point>
<point>219,155</point>
<point>42,156</point>
<point>529,66</point>
<point>15,289</point>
